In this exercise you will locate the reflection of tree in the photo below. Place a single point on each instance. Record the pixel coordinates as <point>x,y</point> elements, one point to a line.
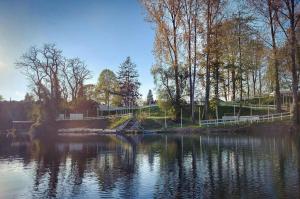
<point>114,166</point>
<point>230,167</point>
<point>68,165</point>
<point>47,166</point>
<point>225,167</point>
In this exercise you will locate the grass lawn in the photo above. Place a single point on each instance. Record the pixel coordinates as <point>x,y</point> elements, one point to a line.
<point>154,117</point>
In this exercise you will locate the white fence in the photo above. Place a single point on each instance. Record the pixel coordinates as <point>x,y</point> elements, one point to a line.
<point>76,116</point>
<point>255,106</point>
<point>231,120</point>
<point>80,116</point>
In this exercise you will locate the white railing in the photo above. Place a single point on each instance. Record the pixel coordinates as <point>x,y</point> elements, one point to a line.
<point>246,119</point>
<point>108,116</point>
<point>254,106</point>
<point>97,118</point>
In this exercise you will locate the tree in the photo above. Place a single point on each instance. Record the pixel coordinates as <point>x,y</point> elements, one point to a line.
<point>52,77</point>
<point>28,98</point>
<point>75,72</point>
<point>128,82</point>
<point>150,97</point>
<point>42,67</point>
<point>191,11</point>
<point>1,98</point>
<point>167,16</point>
<point>266,10</point>
<point>107,88</point>
<point>211,16</point>
<point>287,16</point>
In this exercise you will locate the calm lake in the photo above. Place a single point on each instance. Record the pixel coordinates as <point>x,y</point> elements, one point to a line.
<point>154,166</point>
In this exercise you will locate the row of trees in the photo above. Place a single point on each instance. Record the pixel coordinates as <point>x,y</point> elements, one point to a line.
<point>59,80</point>
<point>56,81</point>
<point>224,49</point>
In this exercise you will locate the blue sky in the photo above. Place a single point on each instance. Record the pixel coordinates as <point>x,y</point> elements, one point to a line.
<point>101,32</point>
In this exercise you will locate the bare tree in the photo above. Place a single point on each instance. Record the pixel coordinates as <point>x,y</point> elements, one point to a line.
<point>51,75</point>
<point>75,72</point>
<point>31,66</point>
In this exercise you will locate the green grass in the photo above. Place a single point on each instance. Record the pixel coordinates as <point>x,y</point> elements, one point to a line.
<point>154,117</point>
<point>115,122</point>
<point>156,112</point>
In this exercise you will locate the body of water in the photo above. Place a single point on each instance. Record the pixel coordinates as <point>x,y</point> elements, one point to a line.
<point>154,166</point>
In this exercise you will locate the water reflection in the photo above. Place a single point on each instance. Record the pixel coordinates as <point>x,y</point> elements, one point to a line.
<point>159,166</point>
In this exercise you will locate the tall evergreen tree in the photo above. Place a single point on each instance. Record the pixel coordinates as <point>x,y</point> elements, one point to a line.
<point>129,83</point>
<point>150,97</point>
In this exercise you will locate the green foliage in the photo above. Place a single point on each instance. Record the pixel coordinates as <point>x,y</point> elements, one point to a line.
<point>107,88</point>
<point>266,100</point>
<point>35,113</point>
<point>142,116</point>
<point>81,105</point>
<point>166,106</point>
<point>1,98</point>
<point>28,98</point>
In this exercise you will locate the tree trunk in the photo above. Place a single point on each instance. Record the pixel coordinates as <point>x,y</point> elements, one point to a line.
<point>254,76</point>
<point>294,70</point>
<point>240,61</point>
<point>260,82</point>
<point>233,84</point>
<point>276,64</point>
<point>195,64</point>
<point>177,86</point>
<point>207,85</point>
<point>248,87</point>
<point>190,69</point>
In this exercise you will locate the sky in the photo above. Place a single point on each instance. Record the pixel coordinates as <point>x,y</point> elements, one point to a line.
<point>100,32</point>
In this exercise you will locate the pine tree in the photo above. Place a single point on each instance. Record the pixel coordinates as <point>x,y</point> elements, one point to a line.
<point>129,83</point>
<point>150,97</point>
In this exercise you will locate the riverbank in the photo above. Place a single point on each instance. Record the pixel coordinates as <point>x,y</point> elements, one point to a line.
<point>270,128</point>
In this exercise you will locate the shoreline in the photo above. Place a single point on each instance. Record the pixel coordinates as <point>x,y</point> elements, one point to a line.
<point>262,128</point>
<point>272,128</point>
